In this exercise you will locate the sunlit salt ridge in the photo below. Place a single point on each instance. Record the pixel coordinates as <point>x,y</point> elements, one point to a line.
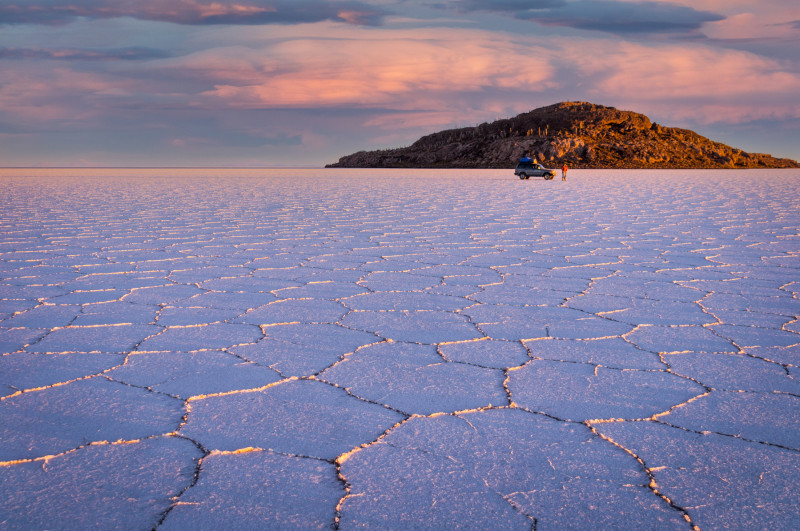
<point>398,349</point>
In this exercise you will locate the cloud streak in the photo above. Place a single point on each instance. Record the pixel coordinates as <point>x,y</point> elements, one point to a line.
<point>624,17</point>
<point>76,54</point>
<point>502,6</point>
<point>618,17</point>
<point>194,12</point>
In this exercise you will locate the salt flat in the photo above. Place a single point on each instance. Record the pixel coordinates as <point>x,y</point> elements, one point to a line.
<point>254,349</point>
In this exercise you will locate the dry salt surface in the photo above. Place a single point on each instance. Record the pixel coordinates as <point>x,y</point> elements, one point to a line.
<point>255,349</point>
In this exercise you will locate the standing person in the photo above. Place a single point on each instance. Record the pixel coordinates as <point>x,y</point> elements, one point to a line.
<point>564,172</point>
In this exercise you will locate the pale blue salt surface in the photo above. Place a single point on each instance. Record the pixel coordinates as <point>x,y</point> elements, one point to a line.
<point>399,349</point>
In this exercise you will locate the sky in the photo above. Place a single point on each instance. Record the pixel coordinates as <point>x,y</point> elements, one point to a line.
<point>252,83</point>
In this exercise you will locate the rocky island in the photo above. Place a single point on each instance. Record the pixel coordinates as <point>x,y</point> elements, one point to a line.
<point>580,134</point>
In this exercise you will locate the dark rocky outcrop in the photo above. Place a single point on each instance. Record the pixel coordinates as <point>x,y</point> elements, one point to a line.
<point>580,134</point>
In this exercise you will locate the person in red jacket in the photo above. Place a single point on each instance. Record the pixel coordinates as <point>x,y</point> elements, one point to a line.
<point>564,172</point>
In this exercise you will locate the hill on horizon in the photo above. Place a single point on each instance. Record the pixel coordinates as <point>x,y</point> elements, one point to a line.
<point>579,134</point>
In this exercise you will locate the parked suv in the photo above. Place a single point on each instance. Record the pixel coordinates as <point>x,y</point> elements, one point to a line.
<point>527,168</point>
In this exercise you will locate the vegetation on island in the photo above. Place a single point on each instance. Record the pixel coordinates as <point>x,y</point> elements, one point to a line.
<point>579,134</point>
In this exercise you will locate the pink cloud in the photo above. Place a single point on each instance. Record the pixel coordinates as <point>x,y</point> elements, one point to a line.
<point>702,83</point>
<point>406,80</point>
<point>398,70</point>
<point>216,9</point>
<point>42,96</point>
<point>452,77</point>
<point>37,93</point>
